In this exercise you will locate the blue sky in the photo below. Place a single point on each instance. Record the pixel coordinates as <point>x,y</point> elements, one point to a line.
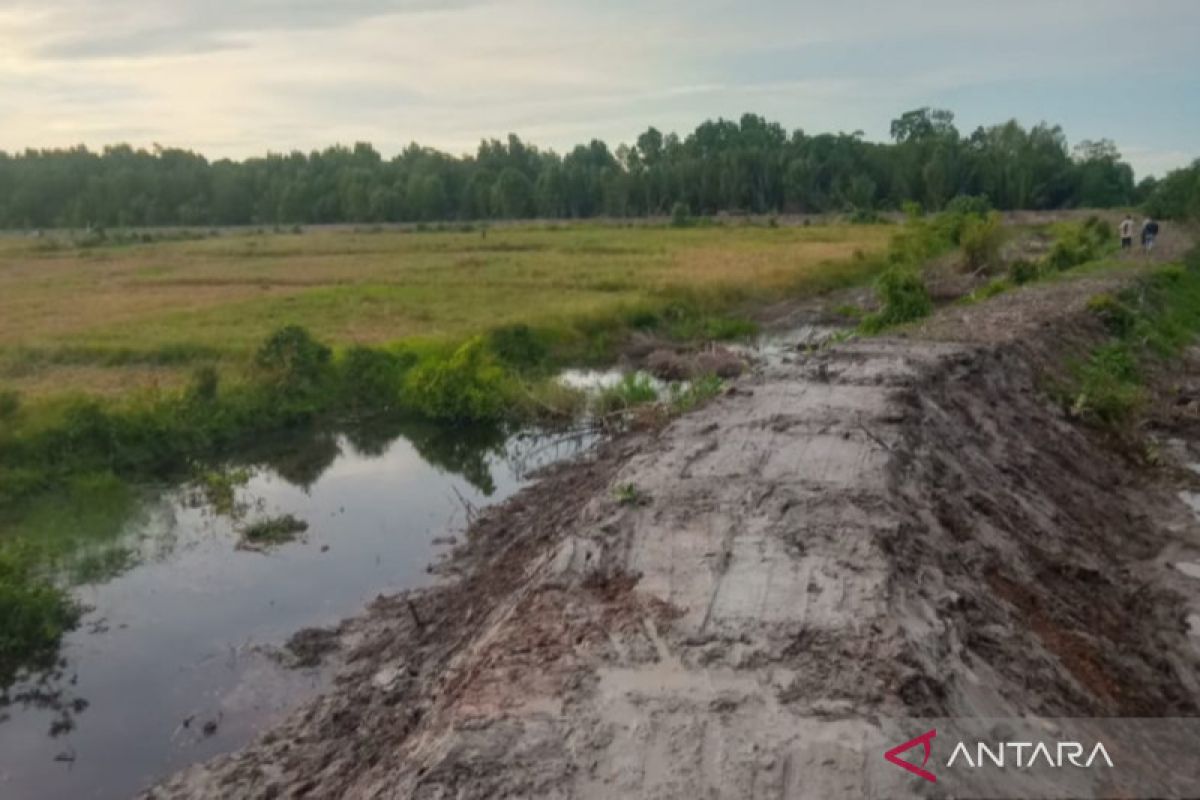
<point>238,77</point>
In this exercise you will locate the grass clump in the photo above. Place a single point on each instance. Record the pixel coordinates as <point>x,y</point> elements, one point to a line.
<point>699,391</point>
<point>273,531</point>
<point>628,494</point>
<point>633,390</point>
<point>1154,320</point>
<point>903,298</point>
<point>1076,244</point>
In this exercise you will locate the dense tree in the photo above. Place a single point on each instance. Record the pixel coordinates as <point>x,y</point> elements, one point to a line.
<point>749,165</point>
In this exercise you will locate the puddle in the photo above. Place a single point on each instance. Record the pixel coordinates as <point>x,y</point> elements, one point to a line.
<point>1192,501</point>
<point>1189,568</point>
<point>172,663</point>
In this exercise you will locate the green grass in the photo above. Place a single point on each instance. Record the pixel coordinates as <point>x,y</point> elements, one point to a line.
<point>1151,322</point>
<point>155,310</point>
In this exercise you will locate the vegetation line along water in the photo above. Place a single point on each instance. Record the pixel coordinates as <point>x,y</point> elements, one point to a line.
<point>80,452</point>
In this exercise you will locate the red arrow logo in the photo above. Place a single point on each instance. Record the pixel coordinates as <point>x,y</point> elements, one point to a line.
<point>923,739</point>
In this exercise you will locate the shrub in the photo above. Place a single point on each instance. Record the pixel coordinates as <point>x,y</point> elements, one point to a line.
<point>1023,271</point>
<point>1079,244</point>
<point>903,296</point>
<point>1117,317</point>
<point>293,361</point>
<point>1099,231</point>
<point>372,379</point>
<point>518,346</point>
<point>681,215</point>
<point>467,387</point>
<point>981,239</point>
<point>1109,393</point>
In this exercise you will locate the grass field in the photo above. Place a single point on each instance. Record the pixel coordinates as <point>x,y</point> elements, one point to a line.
<point>110,318</point>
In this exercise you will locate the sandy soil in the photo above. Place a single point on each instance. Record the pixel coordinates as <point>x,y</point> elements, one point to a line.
<point>887,528</point>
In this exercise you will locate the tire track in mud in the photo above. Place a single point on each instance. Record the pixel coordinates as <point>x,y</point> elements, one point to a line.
<point>887,528</point>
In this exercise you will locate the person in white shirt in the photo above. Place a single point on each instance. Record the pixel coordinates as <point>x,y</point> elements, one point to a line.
<point>1127,232</point>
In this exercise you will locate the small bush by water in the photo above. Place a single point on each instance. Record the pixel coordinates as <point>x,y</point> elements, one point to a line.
<point>904,298</point>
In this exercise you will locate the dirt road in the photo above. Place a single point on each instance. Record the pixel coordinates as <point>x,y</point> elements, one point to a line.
<point>728,607</point>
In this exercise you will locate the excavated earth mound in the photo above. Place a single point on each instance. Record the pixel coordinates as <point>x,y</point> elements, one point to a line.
<point>728,606</point>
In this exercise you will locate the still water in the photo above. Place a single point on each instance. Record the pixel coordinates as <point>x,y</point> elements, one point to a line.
<point>176,659</point>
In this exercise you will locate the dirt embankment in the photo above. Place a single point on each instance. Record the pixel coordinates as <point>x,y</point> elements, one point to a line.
<point>895,527</point>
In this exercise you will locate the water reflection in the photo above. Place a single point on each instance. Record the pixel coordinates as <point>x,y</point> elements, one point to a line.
<point>173,662</point>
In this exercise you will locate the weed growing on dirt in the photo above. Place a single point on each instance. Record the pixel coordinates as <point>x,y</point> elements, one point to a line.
<point>634,389</point>
<point>628,494</point>
<point>699,391</point>
<point>1154,319</point>
<point>904,298</point>
<point>273,531</point>
<point>981,240</point>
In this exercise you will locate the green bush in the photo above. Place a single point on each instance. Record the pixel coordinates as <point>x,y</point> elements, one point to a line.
<point>292,361</point>
<point>467,387</point>
<point>1100,231</point>
<point>1023,271</point>
<point>1117,317</point>
<point>981,239</point>
<point>519,346</point>
<point>1109,391</point>
<point>372,379</point>
<point>903,297</point>
<point>1079,244</point>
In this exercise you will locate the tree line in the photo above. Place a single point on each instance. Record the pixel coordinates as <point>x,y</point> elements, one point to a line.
<point>747,166</point>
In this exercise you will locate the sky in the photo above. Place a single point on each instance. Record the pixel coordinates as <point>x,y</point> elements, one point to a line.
<point>238,78</point>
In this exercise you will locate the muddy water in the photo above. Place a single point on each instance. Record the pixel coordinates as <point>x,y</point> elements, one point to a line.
<point>177,660</point>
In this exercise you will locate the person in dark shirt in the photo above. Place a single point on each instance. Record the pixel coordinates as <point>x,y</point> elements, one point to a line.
<point>1149,233</point>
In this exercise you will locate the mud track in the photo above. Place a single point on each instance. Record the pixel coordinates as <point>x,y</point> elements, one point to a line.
<point>887,528</point>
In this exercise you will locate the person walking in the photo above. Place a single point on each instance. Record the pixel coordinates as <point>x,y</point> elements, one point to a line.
<point>1149,234</point>
<point>1126,229</point>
